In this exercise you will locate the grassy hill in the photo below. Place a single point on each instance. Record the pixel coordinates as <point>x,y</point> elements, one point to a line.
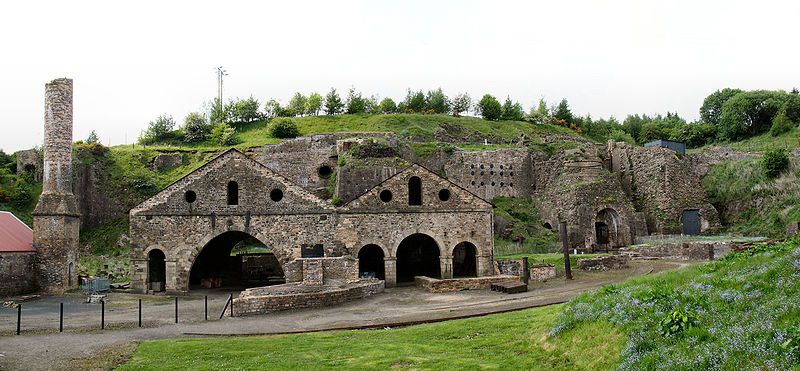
<point>742,312</point>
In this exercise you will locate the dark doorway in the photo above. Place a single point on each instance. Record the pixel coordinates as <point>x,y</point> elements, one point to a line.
<point>233,193</point>
<point>370,262</point>
<point>157,270</point>
<point>415,191</point>
<point>691,222</point>
<point>417,255</point>
<point>601,232</point>
<point>465,263</point>
<point>235,260</point>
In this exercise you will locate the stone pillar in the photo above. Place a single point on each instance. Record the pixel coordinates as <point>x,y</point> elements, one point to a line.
<point>172,284</point>
<point>390,271</point>
<point>485,266</point>
<point>56,219</point>
<point>446,266</point>
<point>139,276</point>
<point>313,274</point>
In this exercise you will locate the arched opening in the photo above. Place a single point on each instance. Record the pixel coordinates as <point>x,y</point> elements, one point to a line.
<point>235,260</point>
<point>547,226</point>
<point>233,193</point>
<point>324,171</point>
<point>415,191</point>
<point>370,262</point>
<point>607,229</point>
<point>70,273</point>
<point>417,255</point>
<point>156,270</point>
<point>465,260</point>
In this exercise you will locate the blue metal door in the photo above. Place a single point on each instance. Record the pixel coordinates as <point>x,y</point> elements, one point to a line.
<point>691,222</point>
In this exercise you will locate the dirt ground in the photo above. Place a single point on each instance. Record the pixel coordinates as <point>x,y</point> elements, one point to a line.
<point>83,345</point>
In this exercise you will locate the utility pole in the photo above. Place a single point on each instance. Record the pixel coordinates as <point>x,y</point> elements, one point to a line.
<point>220,73</point>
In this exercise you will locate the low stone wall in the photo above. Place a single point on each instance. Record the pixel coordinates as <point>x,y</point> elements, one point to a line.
<point>542,272</point>
<point>698,251</point>
<point>17,273</point>
<point>269,299</point>
<point>508,267</point>
<point>459,284</point>
<point>603,263</point>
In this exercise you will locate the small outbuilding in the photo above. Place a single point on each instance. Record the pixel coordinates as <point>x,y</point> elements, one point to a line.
<point>17,256</point>
<point>675,146</point>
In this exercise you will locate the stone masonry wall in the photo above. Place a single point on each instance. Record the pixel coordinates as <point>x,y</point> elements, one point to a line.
<point>31,161</point>
<point>490,174</point>
<point>17,273</point>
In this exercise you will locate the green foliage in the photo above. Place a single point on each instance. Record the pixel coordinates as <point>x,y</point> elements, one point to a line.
<point>462,103</point>
<point>512,111</point>
<point>619,135</point>
<point>711,110</point>
<point>336,201</point>
<point>562,111</point>
<point>313,104</point>
<point>387,105</point>
<point>243,110</point>
<point>283,128</point>
<point>223,134</point>
<point>297,105</point>
<point>273,108</point>
<point>781,124</point>
<point>489,108</point>
<point>414,102</point>
<point>195,128</point>
<point>749,113</point>
<point>158,130</point>
<point>521,229</point>
<point>437,102</point>
<point>676,322</point>
<point>333,103</point>
<point>355,102</point>
<point>92,138</point>
<point>20,195</point>
<point>774,162</point>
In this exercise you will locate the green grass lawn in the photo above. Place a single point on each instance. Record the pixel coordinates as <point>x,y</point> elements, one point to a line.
<point>517,340</point>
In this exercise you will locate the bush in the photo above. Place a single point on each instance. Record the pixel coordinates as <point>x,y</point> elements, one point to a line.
<point>774,162</point>
<point>158,130</point>
<point>195,128</point>
<point>489,108</point>
<point>21,194</point>
<point>223,134</point>
<point>781,124</point>
<point>284,128</point>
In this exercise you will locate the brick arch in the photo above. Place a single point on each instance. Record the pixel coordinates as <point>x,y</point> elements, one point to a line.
<point>444,251</point>
<point>364,243</point>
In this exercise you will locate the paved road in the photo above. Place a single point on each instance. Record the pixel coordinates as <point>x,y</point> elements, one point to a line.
<point>57,350</point>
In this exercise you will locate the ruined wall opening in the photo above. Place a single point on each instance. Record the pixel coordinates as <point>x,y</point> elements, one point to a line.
<point>235,260</point>
<point>607,226</point>
<point>233,193</point>
<point>156,270</point>
<point>465,262</point>
<point>417,255</point>
<point>690,222</point>
<point>415,191</point>
<point>370,262</point>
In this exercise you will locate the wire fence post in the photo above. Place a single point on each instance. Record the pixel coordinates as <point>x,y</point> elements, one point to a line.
<point>102,314</point>
<point>231,304</point>
<point>176,309</point>
<point>227,302</point>
<point>61,318</point>
<point>19,317</point>
<point>140,312</point>
<point>206,308</point>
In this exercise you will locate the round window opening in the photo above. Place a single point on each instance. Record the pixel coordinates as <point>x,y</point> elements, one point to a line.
<point>276,195</point>
<point>444,195</point>
<point>190,196</point>
<point>324,171</point>
<point>386,195</point>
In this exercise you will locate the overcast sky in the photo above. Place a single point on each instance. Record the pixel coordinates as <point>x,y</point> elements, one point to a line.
<point>135,61</point>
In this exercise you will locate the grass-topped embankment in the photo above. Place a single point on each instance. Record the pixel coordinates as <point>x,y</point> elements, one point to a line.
<point>517,340</point>
<point>749,201</point>
<point>556,259</point>
<point>742,312</point>
<point>520,228</point>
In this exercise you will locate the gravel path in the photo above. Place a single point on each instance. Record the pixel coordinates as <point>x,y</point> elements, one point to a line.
<point>47,349</point>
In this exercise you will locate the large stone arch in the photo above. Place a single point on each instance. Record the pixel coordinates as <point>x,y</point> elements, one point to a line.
<point>418,254</point>
<point>609,228</point>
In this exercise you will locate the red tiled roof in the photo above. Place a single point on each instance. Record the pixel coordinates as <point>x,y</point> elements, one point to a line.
<point>15,236</point>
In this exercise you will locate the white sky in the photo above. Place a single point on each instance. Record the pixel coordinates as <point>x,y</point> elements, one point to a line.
<point>135,61</point>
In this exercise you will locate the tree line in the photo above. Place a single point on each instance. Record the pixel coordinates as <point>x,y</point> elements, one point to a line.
<point>725,115</point>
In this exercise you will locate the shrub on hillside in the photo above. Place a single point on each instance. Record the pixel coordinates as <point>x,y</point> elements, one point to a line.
<point>284,128</point>
<point>158,130</point>
<point>223,134</point>
<point>195,128</point>
<point>489,108</point>
<point>781,124</point>
<point>774,162</point>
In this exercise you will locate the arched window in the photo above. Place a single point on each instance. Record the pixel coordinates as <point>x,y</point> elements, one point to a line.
<point>415,191</point>
<point>233,193</point>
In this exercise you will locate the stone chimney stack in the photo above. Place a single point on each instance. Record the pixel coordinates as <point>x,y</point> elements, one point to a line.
<point>56,219</point>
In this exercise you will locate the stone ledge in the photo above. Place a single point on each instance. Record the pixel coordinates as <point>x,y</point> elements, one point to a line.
<point>459,284</point>
<point>262,300</point>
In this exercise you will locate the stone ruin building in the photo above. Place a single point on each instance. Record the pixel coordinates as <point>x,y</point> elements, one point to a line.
<point>401,215</point>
